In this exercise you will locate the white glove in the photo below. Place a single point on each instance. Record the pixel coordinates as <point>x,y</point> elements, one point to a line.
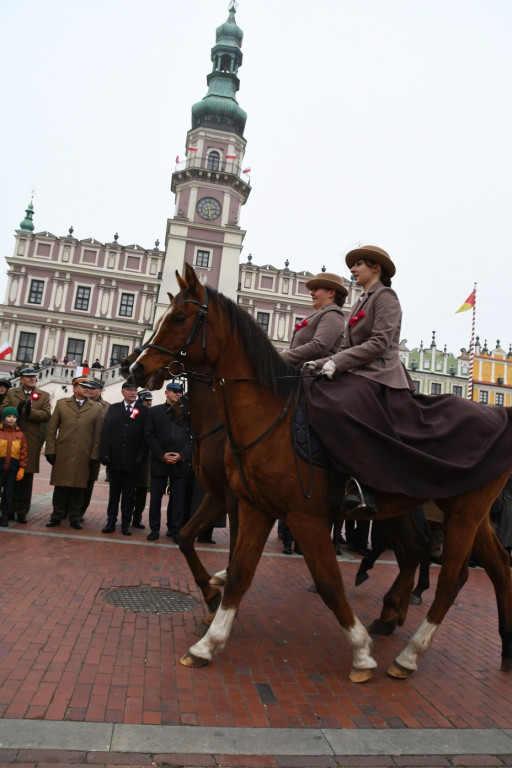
<point>311,365</point>
<point>329,369</point>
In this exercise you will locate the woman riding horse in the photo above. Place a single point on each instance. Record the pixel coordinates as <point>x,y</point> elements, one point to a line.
<point>400,441</point>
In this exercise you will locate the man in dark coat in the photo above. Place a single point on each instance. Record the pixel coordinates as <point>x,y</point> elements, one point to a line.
<point>72,447</point>
<point>123,451</point>
<point>33,406</point>
<point>168,439</point>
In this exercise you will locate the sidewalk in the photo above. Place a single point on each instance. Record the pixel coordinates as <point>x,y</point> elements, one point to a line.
<point>84,680</point>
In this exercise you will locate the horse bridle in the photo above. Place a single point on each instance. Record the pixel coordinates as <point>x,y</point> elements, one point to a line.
<point>200,320</point>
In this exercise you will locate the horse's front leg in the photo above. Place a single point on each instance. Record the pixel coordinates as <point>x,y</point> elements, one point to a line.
<point>254,528</point>
<point>313,537</point>
<point>410,545</point>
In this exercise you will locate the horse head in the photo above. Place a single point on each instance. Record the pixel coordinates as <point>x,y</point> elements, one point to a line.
<point>179,337</point>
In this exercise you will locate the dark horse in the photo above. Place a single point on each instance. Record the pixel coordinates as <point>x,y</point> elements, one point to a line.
<point>254,398</point>
<point>208,464</point>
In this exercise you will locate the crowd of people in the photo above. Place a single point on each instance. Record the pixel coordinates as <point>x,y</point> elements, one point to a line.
<point>142,449</point>
<point>359,389</point>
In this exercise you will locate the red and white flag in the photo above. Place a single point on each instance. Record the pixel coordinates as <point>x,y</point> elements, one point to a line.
<point>81,370</point>
<point>177,158</point>
<point>192,149</point>
<point>5,349</point>
<point>230,157</point>
<point>246,170</point>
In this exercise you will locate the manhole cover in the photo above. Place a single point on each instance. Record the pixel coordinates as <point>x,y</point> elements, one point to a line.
<point>148,600</point>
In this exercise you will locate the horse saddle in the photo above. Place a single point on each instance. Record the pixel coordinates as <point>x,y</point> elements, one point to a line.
<point>306,441</point>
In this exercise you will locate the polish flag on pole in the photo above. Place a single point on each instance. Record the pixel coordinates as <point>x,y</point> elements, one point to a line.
<point>81,370</point>
<point>192,149</point>
<point>5,349</point>
<point>177,158</point>
<point>246,170</point>
<point>230,157</point>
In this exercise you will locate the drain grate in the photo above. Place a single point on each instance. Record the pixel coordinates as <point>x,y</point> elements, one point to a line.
<point>148,600</point>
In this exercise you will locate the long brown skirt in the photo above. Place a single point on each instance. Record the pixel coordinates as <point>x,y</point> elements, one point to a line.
<point>424,446</point>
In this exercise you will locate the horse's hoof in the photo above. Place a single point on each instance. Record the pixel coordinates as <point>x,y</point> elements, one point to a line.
<point>360,675</point>
<point>378,627</point>
<point>506,664</point>
<point>215,581</point>
<point>203,627</point>
<point>398,672</point>
<point>415,599</point>
<point>214,602</point>
<point>313,588</point>
<point>189,660</point>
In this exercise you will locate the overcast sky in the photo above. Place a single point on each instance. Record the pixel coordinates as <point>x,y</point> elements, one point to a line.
<point>380,121</point>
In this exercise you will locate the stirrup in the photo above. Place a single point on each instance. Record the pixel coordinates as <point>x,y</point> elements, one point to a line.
<point>357,500</point>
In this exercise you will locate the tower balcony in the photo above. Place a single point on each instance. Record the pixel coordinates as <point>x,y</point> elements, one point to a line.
<point>197,168</point>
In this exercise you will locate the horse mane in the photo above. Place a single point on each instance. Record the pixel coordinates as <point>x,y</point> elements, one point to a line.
<point>272,372</point>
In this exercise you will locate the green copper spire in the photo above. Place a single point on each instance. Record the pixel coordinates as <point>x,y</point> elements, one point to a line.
<point>219,108</point>
<point>27,225</point>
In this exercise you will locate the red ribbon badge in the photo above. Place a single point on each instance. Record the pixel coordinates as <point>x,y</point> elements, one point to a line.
<point>302,324</point>
<point>35,396</point>
<point>357,317</point>
<point>134,413</point>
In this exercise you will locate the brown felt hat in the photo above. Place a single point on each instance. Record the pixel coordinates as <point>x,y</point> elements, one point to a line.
<point>372,253</point>
<point>327,280</point>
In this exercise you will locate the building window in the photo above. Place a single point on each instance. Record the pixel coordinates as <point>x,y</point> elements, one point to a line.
<point>417,385</point>
<point>435,388</point>
<point>203,259</point>
<point>118,353</point>
<point>126,306</point>
<point>213,161</point>
<point>457,391</point>
<point>36,292</point>
<point>26,347</point>
<point>484,398</point>
<point>83,295</point>
<point>499,398</point>
<point>263,318</point>
<point>75,350</point>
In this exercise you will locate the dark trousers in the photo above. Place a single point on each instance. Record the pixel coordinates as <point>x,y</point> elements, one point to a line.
<point>88,491</point>
<point>139,506</point>
<point>7,481</point>
<point>22,496</point>
<point>175,506</point>
<point>122,489</point>
<point>67,502</point>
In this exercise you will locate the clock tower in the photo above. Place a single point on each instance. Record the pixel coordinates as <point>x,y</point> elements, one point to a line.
<point>210,185</point>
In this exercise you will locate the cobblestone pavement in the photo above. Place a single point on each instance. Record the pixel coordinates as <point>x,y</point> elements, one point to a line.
<point>85,680</point>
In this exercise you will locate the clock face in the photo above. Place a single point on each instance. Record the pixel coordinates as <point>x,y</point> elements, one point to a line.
<point>209,208</point>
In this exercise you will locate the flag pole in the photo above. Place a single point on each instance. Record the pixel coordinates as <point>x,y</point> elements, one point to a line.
<point>472,351</point>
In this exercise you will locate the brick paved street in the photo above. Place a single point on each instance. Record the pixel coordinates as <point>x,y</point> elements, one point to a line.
<point>67,655</point>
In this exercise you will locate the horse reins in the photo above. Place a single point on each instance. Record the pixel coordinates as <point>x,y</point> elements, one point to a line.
<point>201,320</point>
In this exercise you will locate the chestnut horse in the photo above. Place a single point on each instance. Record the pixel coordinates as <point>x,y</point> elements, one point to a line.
<point>254,393</point>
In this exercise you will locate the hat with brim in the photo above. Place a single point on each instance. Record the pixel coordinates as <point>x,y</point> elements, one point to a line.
<point>144,394</point>
<point>327,280</point>
<point>128,385</point>
<point>96,384</point>
<point>29,371</point>
<point>372,253</point>
<point>173,386</point>
<point>82,382</point>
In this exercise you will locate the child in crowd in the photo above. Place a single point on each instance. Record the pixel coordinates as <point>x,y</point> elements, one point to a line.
<point>13,459</point>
